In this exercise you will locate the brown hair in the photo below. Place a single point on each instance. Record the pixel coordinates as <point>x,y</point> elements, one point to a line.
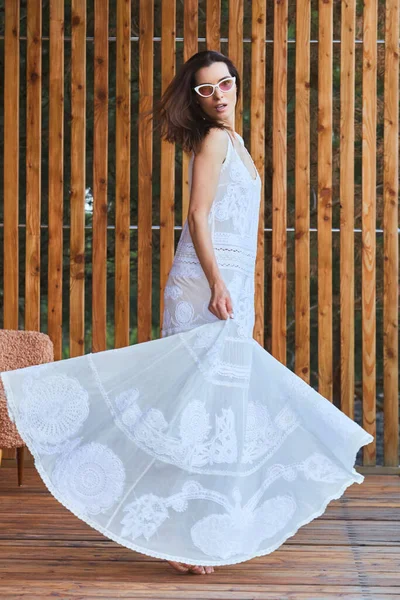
<point>177,114</point>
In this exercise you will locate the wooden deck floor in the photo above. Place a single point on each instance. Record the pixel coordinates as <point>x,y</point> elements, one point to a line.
<point>352,552</point>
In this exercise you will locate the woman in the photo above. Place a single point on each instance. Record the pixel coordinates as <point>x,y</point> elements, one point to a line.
<point>198,447</point>
<point>218,244</point>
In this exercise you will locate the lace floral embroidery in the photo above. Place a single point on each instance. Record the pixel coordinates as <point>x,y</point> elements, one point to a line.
<point>242,527</point>
<point>198,443</point>
<point>263,435</point>
<point>173,291</point>
<point>235,203</point>
<point>54,410</point>
<point>91,477</point>
<point>184,317</point>
<point>184,312</point>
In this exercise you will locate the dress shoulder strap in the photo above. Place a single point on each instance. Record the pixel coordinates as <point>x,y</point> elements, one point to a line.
<point>229,150</point>
<point>229,136</point>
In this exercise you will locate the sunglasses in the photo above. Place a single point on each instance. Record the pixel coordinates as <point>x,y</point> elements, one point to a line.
<point>207,89</point>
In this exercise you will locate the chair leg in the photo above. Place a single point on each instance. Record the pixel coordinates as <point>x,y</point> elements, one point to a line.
<point>20,463</point>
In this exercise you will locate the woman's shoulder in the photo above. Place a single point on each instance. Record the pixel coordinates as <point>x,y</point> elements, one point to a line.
<point>217,133</point>
<point>214,142</point>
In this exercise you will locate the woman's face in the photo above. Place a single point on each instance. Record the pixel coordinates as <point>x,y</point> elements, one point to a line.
<point>213,74</point>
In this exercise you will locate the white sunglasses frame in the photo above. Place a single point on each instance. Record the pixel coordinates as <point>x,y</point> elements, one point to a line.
<point>215,85</point>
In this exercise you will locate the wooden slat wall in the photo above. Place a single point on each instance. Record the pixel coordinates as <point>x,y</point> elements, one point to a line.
<point>347,57</point>
<point>77,195</point>
<point>122,161</point>
<point>100,176</point>
<point>368,251</point>
<point>33,164</point>
<point>391,237</point>
<point>56,176</point>
<point>237,10</point>
<point>145,159</point>
<point>190,47</point>
<point>11,172</point>
<point>325,29</point>
<point>213,25</point>
<point>167,179</point>
<point>279,199</point>
<point>10,163</point>
<point>257,148</point>
<point>302,191</point>
<point>235,52</point>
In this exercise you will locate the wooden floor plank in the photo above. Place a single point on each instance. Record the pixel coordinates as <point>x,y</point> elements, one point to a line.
<point>352,551</point>
<point>220,592</point>
<point>292,594</point>
<point>244,573</point>
<point>293,557</point>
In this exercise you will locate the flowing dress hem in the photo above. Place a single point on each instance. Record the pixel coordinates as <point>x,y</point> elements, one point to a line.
<point>363,440</point>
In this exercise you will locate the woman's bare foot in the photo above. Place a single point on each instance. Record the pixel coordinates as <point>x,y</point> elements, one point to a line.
<point>186,568</point>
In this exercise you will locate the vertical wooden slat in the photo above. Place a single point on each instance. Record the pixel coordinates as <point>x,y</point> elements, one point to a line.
<point>11,172</point>
<point>77,195</point>
<point>56,174</point>
<point>391,236</point>
<point>145,170</point>
<point>325,199</point>
<point>347,64</point>
<point>279,186</point>
<point>167,179</point>
<point>10,162</point>
<point>100,156</point>
<point>235,52</point>
<point>33,163</point>
<point>213,25</point>
<point>302,191</point>
<point>190,47</point>
<point>122,155</point>
<point>368,250</point>
<point>33,166</point>
<point>257,149</point>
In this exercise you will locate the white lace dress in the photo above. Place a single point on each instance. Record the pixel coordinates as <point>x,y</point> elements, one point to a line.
<point>198,446</point>
<point>233,222</point>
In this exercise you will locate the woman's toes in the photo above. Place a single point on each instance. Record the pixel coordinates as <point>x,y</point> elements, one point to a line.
<point>200,570</point>
<point>185,567</point>
<point>179,566</point>
<point>197,569</point>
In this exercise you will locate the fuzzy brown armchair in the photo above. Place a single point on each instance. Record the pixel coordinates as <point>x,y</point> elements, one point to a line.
<point>19,349</point>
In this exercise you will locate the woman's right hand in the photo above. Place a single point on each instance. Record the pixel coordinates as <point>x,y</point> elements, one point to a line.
<point>220,302</point>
